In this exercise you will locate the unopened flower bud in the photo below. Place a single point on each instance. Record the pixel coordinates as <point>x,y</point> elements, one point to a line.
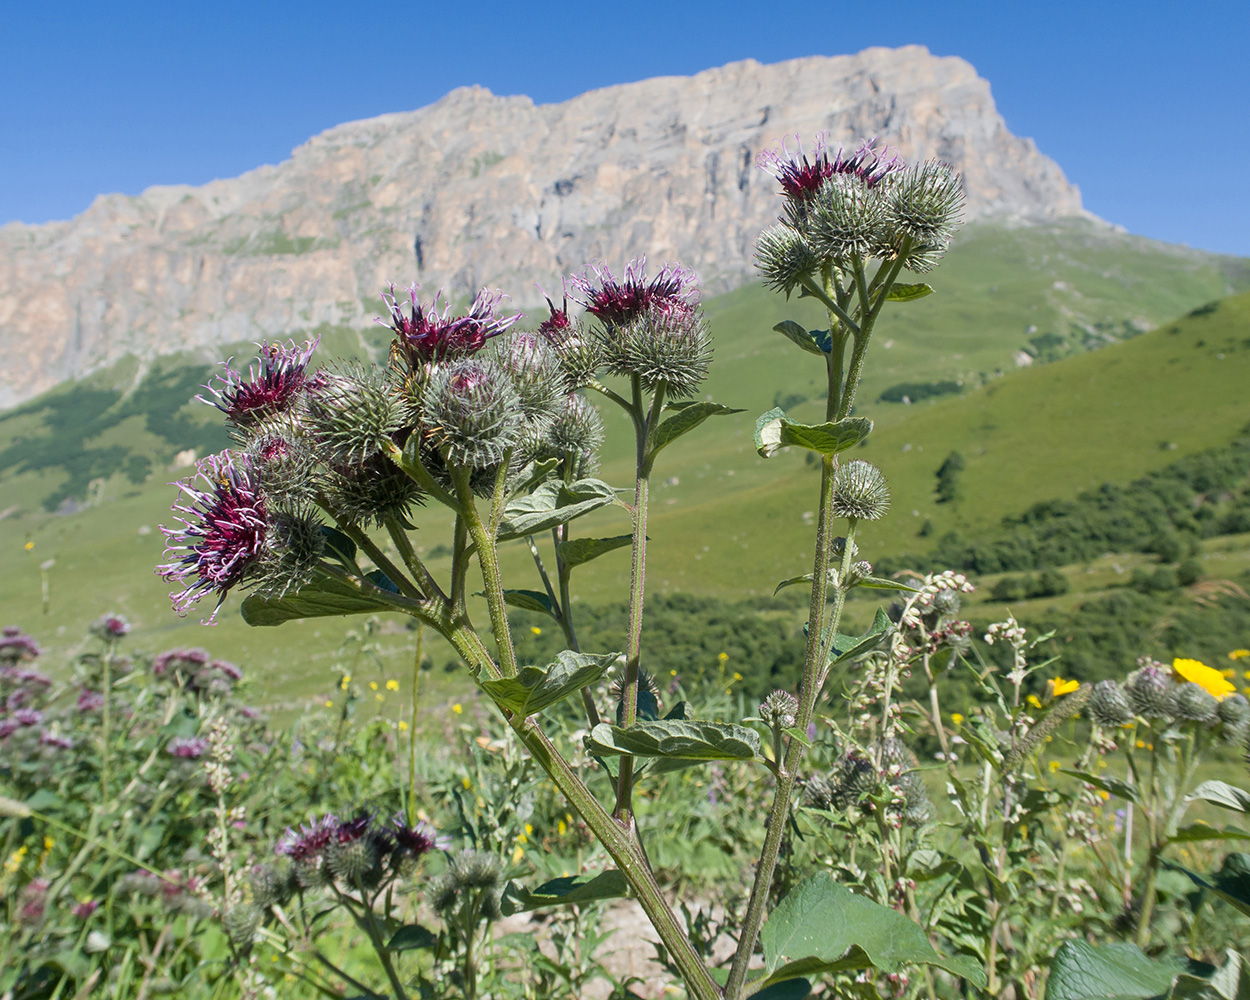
<point>471,411</point>
<point>856,572</point>
<point>241,922</point>
<point>352,413</point>
<point>784,258</point>
<point>1149,692</point>
<point>1193,703</point>
<point>1108,705</point>
<point>780,709</point>
<point>860,491</point>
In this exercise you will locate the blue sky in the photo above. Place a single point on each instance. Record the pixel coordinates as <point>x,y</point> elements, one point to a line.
<point>1145,105</point>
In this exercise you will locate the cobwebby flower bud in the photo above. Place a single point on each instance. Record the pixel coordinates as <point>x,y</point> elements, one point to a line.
<point>352,414</point>
<point>784,258</point>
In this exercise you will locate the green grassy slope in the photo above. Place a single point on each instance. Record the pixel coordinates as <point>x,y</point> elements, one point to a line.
<point>724,521</point>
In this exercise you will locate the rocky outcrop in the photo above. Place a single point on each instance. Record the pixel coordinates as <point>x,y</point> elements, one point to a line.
<point>478,189</point>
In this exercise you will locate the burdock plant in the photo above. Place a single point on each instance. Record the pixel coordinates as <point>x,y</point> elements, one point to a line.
<point>496,426</point>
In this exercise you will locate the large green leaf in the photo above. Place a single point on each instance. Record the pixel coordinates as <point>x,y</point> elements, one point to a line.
<point>827,439</point>
<point>908,293</point>
<point>1231,883</point>
<point>535,688</point>
<point>768,432</point>
<point>687,740</point>
<point>1082,971</point>
<point>530,600</point>
<point>581,550</point>
<point>823,927</point>
<point>813,341</point>
<point>411,937</point>
<point>687,418</point>
<point>609,884</point>
<point>1201,831</point>
<point>328,596</point>
<point>1221,793</point>
<point>1231,981</point>
<point>551,504</point>
<point>1112,786</point>
<point>847,647</point>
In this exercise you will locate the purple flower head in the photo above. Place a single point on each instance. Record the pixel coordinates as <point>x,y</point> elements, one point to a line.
<point>618,302</point>
<point>801,178</point>
<point>189,748</point>
<point>351,830</point>
<point>27,679</point>
<point>222,535</point>
<point>90,701</point>
<point>309,840</point>
<point>28,716</point>
<point>228,668</point>
<point>111,627</point>
<point>266,390</point>
<point>426,335</point>
<point>16,646</point>
<point>32,901</point>
<point>8,727</point>
<point>250,713</point>
<point>57,741</point>
<point>84,909</point>
<point>179,659</point>
<point>415,841</point>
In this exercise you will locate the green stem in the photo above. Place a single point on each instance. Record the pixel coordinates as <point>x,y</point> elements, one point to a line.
<point>105,725</point>
<point>415,566</point>
<point>380,559</point>
<point>488,559</point>
<point>412,729</point>
<point>830,304</point>
<point>637,588</point>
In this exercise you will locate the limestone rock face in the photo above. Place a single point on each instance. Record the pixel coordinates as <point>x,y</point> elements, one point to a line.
<point>483,190</point>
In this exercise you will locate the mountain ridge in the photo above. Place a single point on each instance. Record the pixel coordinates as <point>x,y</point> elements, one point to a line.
<point>477,189</point>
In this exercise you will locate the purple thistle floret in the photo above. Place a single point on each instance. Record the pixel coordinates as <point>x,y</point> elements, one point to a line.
<point>84,909</point>
<point>28,716</point>
<point>801,178</point>
<point>310,840</point>
<point>16,646</point>
<point>351,830</point>
<point>228,668</point>
<point>222,535</point>
<point>672,292</point>
<point>176,658</point>
<point>266,390</point>
<point>26,678</point>
<point>90,701</point>
<point>187,747</point>
<point>426,335</point>
<point>111,627</point>
<point>415,841</point>
<point>57,741</point>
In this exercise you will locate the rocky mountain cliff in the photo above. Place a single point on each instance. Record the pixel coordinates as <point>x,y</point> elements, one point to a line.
<point>478,189</point>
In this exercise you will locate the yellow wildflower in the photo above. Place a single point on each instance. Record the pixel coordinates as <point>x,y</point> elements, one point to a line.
<point>529,829</point>
<point>722,657</point>
<point>1054,766</point>
<point>1207,678</point>
<point>561,828</point>
<point>737,676</point>
<point>1229,673</point>
<point>392,685</point>
<point>373,685</point>
<point>15,860</point>
<point>466,782</point>
<point>377,697</point>
<point>517,855</point>
<point>536,630</point>
<point>1141,744</point>
<point>329,704</point>
<point>1058,686</point>
<point>1239,654</point>
<point>403,726</point>
<point>29,546</point>
<point>957,718</point>
<point>1034,700</point>
<point>1104,795</point>
<point>457,708</point>
<point>347,679</point>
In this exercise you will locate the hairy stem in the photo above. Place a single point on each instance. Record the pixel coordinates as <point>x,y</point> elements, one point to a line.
<point>488,559</point>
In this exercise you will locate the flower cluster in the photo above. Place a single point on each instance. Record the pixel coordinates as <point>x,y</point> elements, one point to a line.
<point>1189,692</point>
<point>360,852</point>
<point>196,671</point>
<point>844,208</point>
<point>884,776</point>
